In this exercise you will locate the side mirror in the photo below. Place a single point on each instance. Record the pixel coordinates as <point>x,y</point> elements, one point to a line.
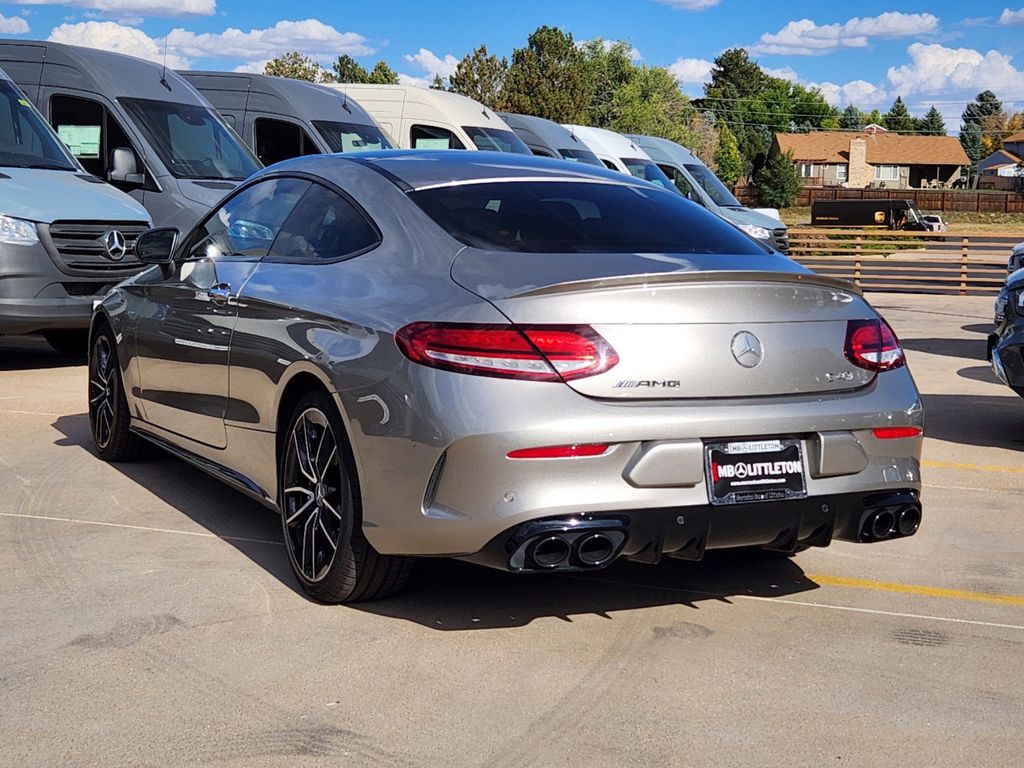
<point>124,168</point>
<point>156,246</point>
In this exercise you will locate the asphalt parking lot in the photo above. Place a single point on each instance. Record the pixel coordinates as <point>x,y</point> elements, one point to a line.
<point>150,618</point>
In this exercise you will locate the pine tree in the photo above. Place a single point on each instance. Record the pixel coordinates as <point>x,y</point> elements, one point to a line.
<point>875,118</point>
<point>898,117</point>
<point>852,119</point>
<point>970,140</point>
<point>547,78</point>
<point>382,74</point>
<point>348,70</point>
<point>985,105</point>
<point>728,161</point>
<point>437,84</point>
<point>480,76</point>
<point>778,182</point>
<point>932,123</point>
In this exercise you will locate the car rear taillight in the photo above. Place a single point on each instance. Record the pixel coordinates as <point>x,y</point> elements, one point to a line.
<point>535,353</point>
<point>873,345</point>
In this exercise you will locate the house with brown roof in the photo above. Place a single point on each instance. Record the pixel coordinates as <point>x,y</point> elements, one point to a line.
<point>880,159</point>
<point>1004,168</point>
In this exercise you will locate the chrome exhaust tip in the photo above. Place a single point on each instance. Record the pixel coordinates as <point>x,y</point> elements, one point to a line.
<point>550,552</point>
<point>595,549</point>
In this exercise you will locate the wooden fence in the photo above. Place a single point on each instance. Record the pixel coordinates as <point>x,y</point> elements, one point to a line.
<point>936,200</point>
<point>969,263</point>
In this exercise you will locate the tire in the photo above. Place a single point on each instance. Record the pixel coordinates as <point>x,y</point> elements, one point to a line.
<point>321,511</point>
<point>69,343</point>
<point>109,417</point>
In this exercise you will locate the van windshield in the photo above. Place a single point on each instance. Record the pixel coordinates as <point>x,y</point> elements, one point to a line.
<point>26,141</point>
<point>351,137</point>
<point>648,171</point>
<point>716,190</point>
<point>584,156</point>
<point>191,141</point>
<point>496,140</point>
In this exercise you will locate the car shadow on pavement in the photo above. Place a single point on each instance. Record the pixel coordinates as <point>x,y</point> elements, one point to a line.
<point>983,328</point>
<point>450,595</point>
<point>249,527</point>
<point>965,349</point>
<point>30,353</point>
<point>447,594</point>
<point>982,420</point>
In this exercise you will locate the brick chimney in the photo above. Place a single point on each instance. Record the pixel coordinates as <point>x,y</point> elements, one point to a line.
<point>859,174</point>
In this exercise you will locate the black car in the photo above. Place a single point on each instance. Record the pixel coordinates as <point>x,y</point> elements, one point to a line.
<point>1006,345</point>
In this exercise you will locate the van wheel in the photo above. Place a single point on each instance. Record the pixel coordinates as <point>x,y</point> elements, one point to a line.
<point>69,343</point>
<point>321,512</point>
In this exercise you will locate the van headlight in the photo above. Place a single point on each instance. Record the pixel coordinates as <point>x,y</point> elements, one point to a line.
<point>17,231</point>
<point>756,232</point>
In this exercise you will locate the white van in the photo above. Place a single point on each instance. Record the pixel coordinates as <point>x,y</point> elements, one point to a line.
<point>620,154</point>
<point>425,118</point>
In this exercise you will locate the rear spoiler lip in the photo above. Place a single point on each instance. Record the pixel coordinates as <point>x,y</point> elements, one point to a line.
<point>669,278</point>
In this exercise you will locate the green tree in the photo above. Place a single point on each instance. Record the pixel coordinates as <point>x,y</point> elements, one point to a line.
<point>382,74</point>
<point>480,76</point>
<point>778,182</point>
<point>985,104</point>
<point>809,111</point>
<point>295,65</point>
<point>931,124</point>
<point>547,78</point>
<point>608,68</point>
<point>852,119</point>
<point>652,104</point>
<point>438,84</point>
<point>874,118</point>
<point>970,140</point>
<point>728,162</point>
<point>348,70</point>
<point>898,117</point>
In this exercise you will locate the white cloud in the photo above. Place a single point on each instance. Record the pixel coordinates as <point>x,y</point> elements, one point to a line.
<point>149,7</point>
<point>413,81</point>
<point>111,36</point>
<point>859,92</point>
<point>783,73</point>
<point>312,37</point>
<point>955,72</point>
<point>691,5</point>
<point>12,25</point>
<point>691,71</point>
<point>806,38</point>
<point>431,64</point>
<point>1012,17</point>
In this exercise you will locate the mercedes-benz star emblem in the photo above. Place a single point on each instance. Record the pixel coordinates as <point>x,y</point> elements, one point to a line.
<point>747,349</point>
<point>115,245</point>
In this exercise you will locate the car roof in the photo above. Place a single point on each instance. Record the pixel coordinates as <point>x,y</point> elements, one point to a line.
<point>413,169</point>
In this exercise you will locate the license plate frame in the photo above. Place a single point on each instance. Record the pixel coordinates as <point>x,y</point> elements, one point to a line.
<point>770,469</point>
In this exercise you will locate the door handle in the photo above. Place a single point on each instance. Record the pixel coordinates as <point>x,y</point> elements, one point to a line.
<point>220,293</point>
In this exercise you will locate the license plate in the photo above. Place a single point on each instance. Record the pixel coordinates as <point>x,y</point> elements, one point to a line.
<point>755,470</point>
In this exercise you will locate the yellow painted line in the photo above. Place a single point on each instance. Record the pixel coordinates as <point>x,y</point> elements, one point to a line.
<point>915,589</point>
<point>978,467</point>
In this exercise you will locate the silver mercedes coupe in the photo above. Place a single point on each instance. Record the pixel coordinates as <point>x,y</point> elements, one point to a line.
<point>526,363</point>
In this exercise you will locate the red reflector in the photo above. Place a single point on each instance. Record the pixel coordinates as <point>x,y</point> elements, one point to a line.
<point>872,344</point>
<point>560,451</point>
<point>535,353</point>
<point>894,433</point>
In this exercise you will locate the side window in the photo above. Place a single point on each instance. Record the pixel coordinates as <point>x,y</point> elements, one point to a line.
<point>324,225</point>
<point>432,137</point>
<point>681,182</point>
<point>89,131</point>
<point>541,152</point>
<point>609,165</point>
<point>278,140</point>
<point>247,224</point>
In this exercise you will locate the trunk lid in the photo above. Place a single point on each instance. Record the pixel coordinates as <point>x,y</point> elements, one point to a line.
<point>719,327</point>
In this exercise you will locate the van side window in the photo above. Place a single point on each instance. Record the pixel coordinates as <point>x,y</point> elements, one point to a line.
<point>541,152</point>
<point>681,182</point>
<point>89,130</point>
<point>277,140</point>
<point>324,226</point>
<point>432,137</point>
<point>609,165</point>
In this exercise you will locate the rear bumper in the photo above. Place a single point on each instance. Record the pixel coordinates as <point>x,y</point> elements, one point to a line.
<point>646,535</point>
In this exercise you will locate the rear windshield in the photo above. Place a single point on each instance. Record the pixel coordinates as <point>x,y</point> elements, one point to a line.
<point>496,140</point>
<point>351,137</point>
<point>578,217</point>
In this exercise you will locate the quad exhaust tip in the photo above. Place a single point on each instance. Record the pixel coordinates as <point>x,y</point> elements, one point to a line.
<point>891,521</point>
<point>566,545</point>
<point>550,551</point>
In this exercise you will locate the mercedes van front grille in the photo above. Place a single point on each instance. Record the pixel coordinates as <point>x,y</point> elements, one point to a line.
<point>80,247</point>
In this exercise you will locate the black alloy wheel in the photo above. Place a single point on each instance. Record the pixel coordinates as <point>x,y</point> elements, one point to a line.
<point>109,417</point>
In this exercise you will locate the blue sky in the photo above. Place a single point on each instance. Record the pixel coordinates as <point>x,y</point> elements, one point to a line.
<point>940,52</point>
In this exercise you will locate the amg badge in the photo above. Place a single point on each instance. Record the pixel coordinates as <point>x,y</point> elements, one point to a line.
<point>653,383</point>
